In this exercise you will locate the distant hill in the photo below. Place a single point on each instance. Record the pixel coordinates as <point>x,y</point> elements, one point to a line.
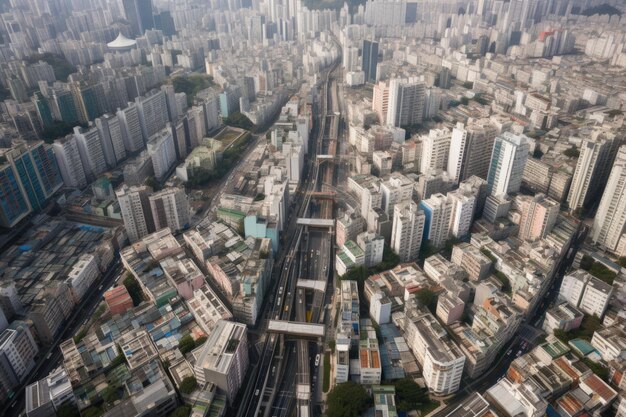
<point>601,9</point>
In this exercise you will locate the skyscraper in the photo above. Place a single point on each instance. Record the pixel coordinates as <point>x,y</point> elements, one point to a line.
<point>36,170</point>
<point>407,230</point>
<point>135,210</point>
<point>139,15</point>
<point>592,169</point>
<point>470,150</point>
<point>70,164</point>
<point>369,60</point>
<point>380,100</point>
<point>112,139</point>
<point>438,212</point>
<point>510,152</point>
<point>539,215</point>
<point>406,102</point>
<point>170,208</point>
<point>435,150</point>
<point>13,202</point>
<point>610,220</point>
<point>91,153</point>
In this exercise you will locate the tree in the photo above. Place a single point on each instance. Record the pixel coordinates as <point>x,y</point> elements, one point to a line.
<point>622,261</point>
<point>182,411</point>
<point>409,395</point>
<point>464,100</point>
<point>239,120</point>
<point>348,400</point>
<point>572,152</point>
<point>537,153</point>
<point>68,410</point>
<point>133,288</point>
<point>153,183</point>
<point>92,411</point>
<point>603,273</point>
<point>469,85</point>
<point>188,385</point>
<point>427,298</point>
<point>199,341</point>
<point>192,85</point>
<point>186,344</point>
<point>110,395</point>
<point>586,262</point>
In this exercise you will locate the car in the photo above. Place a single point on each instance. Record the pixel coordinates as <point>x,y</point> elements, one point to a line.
<point>256,393</point>
<point>317,360</point>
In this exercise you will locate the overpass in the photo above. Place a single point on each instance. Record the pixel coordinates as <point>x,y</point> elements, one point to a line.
<point>296,328</point>
<point>322,223</point>
<point>312,284</point>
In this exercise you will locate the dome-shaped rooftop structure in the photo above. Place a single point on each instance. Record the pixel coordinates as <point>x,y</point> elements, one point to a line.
<point>122,43</point>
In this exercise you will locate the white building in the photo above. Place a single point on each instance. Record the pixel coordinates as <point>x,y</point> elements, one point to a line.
<point>162,150</point>
<point>152,111</point>
<point>406,102</point>
<point>131,128</point>
<point>90,149</point>
<point>69,161</point>
<point>396,189</point>
<point>170,208</point>
<point>110,130</point>
<point>82,276</point>
<point>441,359</point>
<point>207,308</point>
<point>610,342</point>
<point>438,213</point>
<point>583,290</point>
<point>610,220</point>
<point>373,246</point>
<point>592,168</point>
<point>463,205</point>
<point>18,350</point>
<point>470,150</point>
<point>223,358</point>
<point>435,150</point>
<point>407,230</point>
<point>135,211</point>
<point>510,152</point>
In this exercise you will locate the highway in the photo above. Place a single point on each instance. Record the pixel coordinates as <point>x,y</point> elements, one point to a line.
<point>276,359</point>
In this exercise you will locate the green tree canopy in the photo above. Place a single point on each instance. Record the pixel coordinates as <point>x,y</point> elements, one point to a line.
<point>188,385</point>
<point>134,289</point>
<point>239,120</point>
<point>348,400</point>
<point>186,344</point>
<point>182,411</point>
<point>409,395</point>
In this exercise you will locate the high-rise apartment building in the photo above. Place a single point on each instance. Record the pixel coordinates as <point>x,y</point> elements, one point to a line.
<point>395,189</point>
<point>139,14</point>
<point>538,216</point>
<point>17,357</point>
<point>586,292</point>
<point>470,150</point>
<point>592,169</point>
<point>14,204</point>
<point>36,169</point>
<point>170,208</point>
<point>380,100</point>
<point>135,209</point>
<point>435,150</point>
<point>131,128</point>
<point>438,212</point>
<point>407,230</point>
<point>69,162</point>
<point>152,111</point>
<point>369,60</point>
<point>463,204</point>
<point>510,152</point>
<point>162,150</point>
<point>90,149</point>
<point>406,102</point>
<point>112,139</point>
<point>610,221</point>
